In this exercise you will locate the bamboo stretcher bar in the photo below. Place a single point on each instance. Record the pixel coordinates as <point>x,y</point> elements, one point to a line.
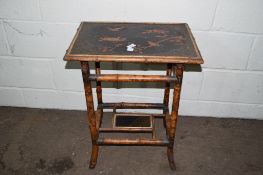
<point>131,78</point>
<point>143,114</point>
<point>139,129</point>
<point>124,105</point>
<point>135,142</point>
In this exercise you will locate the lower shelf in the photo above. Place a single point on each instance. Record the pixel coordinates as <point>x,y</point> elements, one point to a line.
<point>132,121</point>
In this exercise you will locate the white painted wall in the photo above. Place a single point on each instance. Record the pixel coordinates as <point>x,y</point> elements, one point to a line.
<point>34,35</point>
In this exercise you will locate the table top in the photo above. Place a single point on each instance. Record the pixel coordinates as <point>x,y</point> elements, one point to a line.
<point>134,42</point>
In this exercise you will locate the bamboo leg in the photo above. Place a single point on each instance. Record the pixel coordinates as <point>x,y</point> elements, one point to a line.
<point>173,119</point>
<point>166,93</point>
<point>170,155</point>
<point>94,156</point>
<point>99,92</point>
<point>91,113</point>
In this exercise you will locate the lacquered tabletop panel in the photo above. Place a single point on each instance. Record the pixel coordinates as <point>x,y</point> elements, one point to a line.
<point>134,40</point>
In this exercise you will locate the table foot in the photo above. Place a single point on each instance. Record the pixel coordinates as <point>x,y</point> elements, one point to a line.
<point>170,156</point>
<point>94,156</point>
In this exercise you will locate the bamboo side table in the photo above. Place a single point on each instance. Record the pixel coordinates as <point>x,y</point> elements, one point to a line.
<point>170,44</point>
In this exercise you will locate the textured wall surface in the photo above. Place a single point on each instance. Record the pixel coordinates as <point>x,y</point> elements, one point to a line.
<point>34,35</point>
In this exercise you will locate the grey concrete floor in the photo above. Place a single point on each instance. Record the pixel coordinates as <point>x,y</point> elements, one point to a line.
<point>39,141</point>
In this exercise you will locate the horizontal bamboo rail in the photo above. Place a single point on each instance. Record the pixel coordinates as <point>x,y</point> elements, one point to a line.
<point>134,142</point>
<point>141,129</point>
<point>124,105</point>
<point>131,78</point>
<point>143,114</point>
